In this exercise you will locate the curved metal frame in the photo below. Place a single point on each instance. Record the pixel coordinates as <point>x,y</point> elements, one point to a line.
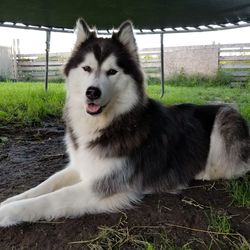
<point>210,27</point>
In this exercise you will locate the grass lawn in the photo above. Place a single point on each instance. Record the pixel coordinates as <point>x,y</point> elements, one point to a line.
<point>202,95</point>
<point>27,103</point>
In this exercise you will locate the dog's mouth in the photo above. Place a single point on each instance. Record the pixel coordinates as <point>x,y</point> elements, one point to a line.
<point>94,108</point>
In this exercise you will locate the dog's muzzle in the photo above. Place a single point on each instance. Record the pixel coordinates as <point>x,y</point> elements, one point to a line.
<point>93,94</point>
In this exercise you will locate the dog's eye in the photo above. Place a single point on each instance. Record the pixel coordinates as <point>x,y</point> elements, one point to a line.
<point>111,72</point>
<point>87,69</point>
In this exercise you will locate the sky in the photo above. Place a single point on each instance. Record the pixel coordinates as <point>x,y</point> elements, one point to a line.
<point>34,41</point>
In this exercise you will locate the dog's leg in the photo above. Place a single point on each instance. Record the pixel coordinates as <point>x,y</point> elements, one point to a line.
<point>61,179</point>
<point>70,201</point>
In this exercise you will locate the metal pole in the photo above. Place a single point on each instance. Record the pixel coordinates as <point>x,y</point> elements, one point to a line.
<point>47,59</point>
<point>162,65</point>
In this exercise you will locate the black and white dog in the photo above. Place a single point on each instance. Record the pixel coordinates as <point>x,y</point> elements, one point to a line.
<point>122,144</point>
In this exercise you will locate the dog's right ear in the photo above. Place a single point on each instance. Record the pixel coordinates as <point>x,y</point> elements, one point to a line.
<point>126,36</point>
<point>83,31</point>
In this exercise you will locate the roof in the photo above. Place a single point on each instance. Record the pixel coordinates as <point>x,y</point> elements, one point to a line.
<point>147,14</point>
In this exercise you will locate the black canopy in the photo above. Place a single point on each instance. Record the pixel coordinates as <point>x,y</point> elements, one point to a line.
<point>147,14</point>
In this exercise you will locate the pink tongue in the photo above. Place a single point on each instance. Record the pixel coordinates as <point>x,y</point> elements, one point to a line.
<point>93,108</point>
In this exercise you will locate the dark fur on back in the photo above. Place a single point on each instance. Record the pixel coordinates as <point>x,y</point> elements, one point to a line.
<point>166,146</point>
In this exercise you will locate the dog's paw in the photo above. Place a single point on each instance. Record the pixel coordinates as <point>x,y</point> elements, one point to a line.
<point>8,216</point>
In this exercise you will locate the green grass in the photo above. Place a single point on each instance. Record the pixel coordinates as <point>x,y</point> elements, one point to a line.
<point>201,95</point>
<point>219,223</point>
<point>27,103</point>
<point>239,191</point>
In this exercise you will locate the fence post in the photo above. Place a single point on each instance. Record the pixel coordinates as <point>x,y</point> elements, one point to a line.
<point>14,59</point>
<point>47,59</point>
<point>162,65</point>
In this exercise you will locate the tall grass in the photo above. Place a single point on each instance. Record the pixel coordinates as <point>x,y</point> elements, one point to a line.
<point>202,95</point>
<point>28,103</point>
<point>239,190</point>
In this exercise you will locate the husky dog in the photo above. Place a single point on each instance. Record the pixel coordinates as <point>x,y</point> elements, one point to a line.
<point>122,144</point>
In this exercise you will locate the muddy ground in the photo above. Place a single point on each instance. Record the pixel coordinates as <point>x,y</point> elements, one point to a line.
<point>30,155</point>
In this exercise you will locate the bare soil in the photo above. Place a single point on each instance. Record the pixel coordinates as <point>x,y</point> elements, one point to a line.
<point>29,155</point>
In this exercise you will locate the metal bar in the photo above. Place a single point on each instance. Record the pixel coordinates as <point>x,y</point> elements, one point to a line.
<point>221,27</point>
<point>14,50</point>
<point>28,27</point>
<point>47,59</point>
<point>162,64</point>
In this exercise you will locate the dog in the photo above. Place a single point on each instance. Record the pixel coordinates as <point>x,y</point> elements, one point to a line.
<point>122,144</point>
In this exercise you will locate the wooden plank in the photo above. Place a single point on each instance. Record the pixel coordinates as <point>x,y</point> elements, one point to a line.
<point>242,50</point>
<point>42,73</point>
<point>151,70</point>
<point>235,66</point>
<point>154,75</point>
<point>149,53</point>
<point>238,73</point>
<point>150,49</point>
<point>237,84</point>
<point>234,45</point>
<point>51,60</point>
<point>38,64</point>
<point>234,58</point>
<point>150,61</point>
<point>31,68</point>
<point>145,66</point>
<point>51,78</point>
<point>63,54</point>
<point>41,58</point>
<point>240,78</point>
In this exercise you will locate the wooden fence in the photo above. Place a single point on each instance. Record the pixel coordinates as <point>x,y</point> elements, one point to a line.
<point>32,66</point>
<point>234,60</point>
<point>151,62</point>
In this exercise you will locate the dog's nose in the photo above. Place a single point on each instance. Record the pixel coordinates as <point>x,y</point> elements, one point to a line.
<point>93,93</point>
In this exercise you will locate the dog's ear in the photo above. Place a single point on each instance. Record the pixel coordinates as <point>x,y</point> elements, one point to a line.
<point>126,36</point>
<point>83,31</point>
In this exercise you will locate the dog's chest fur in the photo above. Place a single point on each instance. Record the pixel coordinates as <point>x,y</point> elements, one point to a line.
<point>90,165</point>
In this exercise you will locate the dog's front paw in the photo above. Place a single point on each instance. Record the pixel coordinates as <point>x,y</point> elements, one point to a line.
<point>8,215</point>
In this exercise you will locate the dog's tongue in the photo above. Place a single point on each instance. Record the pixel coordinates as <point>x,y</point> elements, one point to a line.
<point>93,108</point>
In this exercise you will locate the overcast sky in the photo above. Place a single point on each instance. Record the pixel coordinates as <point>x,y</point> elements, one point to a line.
<point>34,41</point>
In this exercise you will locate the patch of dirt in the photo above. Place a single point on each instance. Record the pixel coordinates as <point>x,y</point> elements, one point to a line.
<point>30,155</point>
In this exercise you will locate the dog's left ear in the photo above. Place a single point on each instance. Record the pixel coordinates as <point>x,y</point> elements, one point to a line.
<point>126,36</point>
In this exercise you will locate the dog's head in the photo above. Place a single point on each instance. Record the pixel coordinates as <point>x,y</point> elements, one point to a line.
<point>103,74</point>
